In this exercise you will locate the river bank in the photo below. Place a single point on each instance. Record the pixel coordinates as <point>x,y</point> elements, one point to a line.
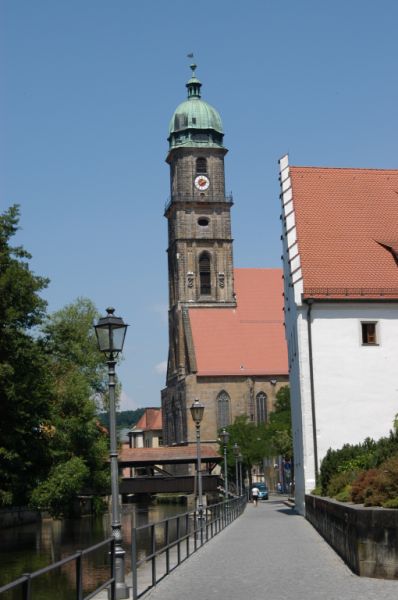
<point>28,547</point>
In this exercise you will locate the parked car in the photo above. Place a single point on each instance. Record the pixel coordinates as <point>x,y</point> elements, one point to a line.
<point>263,490</point>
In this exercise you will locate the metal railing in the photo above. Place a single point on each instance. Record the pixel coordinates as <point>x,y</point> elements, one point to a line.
<point>25,581</point>
<point>168,543</point>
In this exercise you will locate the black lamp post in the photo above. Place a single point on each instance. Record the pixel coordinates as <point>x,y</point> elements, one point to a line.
<point>224,435</point>
<point>240,460</point>
<point>236,450</point>
<point>111,331</point>
<point>197,410</point>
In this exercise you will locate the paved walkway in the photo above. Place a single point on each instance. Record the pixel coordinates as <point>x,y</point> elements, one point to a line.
<point>269,553</point>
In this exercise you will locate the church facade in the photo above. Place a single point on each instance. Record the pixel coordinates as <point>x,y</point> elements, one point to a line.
<point>226,335</point>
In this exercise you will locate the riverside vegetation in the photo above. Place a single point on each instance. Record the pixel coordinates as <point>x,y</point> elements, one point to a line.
<point>53,384</point>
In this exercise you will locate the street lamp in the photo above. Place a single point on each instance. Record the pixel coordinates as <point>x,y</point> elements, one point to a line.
<point>240,460</point>
<point>224,435</point>
<point>197,410</point>
<point>236,451</point>
<point>111,331</point>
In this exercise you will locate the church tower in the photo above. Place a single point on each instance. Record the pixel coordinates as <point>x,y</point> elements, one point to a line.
<point>198,212</point>
<point>200,265</point>
<point>228,351</point>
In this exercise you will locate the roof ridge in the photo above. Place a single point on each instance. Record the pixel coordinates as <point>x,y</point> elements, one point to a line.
<point>361,169</point>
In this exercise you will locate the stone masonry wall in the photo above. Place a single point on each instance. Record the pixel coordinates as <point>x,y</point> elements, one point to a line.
<point>366,538</point>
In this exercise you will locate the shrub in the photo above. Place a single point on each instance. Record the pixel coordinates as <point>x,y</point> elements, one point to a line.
<point>392,503</point>
<point>368,455</point>
<point>340,481</point>
<point>360,489</point>
<point>344,495</point>
<point>377,487</point>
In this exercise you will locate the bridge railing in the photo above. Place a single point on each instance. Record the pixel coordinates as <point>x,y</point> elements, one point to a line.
<point>24,583</point>
<point>166,544</point>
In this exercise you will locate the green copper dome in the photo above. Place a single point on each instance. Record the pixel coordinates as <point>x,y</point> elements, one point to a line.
<point>195,123</point>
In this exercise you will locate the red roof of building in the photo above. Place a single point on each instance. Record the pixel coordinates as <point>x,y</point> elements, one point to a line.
<point>150,420</point>
<point>347,230</point>
<point>168,454</point>
<point>248,339</point>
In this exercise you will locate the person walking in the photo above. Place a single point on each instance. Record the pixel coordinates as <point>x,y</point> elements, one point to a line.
<point>255,493</point>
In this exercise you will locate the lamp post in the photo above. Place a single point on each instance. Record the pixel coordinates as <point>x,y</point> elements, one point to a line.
<point>236,451</point>
<point>197,410</point>
<point>224,435</point>
<point>240,460</point>
<point>111,331</point>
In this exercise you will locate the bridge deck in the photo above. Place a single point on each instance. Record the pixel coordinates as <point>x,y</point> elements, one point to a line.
<point>271,553</point>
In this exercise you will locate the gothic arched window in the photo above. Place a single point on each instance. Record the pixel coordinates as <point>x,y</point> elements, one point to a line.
<point>204,273</point>
<point>261,407</point>
<point>201,166</point>
<point>223,409</point>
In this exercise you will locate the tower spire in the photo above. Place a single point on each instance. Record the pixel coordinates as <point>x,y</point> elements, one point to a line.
<point>193,84</point>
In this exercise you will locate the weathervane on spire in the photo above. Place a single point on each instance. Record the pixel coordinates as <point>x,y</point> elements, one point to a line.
<point>192,65</point>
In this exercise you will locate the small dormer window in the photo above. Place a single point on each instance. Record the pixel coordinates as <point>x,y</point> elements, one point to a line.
<point>201,166</point>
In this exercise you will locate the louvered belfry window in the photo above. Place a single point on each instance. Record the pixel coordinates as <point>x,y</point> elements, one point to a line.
<point>201,166</point>
<point>204,272</point>
<point>223,404</point>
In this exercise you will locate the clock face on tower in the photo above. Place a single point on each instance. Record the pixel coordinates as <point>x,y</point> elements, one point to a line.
<point>202,182</point>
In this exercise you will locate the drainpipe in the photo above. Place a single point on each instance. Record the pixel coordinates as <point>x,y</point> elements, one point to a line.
<point>310,302</point>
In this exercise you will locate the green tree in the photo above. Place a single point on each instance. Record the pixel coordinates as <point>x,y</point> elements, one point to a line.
<point>24,373</point>
<point>76,437</point>
<point>252,440</point>
<point>257,442</point>
<point>279,427</point>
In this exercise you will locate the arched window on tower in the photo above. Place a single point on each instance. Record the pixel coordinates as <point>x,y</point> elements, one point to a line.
<point>261,407</point>
<point>223,410</point>
<point>204,273</point>
<point>201,166</point>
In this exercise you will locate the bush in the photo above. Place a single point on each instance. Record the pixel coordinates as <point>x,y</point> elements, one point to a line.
<point>339,482</point>
<point>360,489</point>
<point>344,495</point>
<point>317,491</point>
<point>392,503</point>
<point>378,487</point>
<point>357,457</point>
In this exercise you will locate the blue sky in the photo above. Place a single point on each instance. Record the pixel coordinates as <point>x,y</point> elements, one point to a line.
<point>88,89</point>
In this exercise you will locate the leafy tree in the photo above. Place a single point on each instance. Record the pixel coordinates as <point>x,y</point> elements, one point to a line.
<point>279,428</point>
<point>59,490</point>
<point>263,440</point>
<point>252,440</point>
<point>24,373</point>
<point>75,435</point>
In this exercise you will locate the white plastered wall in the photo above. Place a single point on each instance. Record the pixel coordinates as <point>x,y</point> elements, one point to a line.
<point>355,386</point>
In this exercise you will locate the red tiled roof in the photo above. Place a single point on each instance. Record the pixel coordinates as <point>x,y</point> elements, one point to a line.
<point>150,420</point>
<point>168,454</point>
<point>347,230</point>
<point>248,340</point>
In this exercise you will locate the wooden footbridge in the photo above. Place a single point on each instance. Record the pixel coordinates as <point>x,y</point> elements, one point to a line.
<point>155,469</point>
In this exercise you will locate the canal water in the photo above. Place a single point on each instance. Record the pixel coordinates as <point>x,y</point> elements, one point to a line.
<point>27,548</point>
